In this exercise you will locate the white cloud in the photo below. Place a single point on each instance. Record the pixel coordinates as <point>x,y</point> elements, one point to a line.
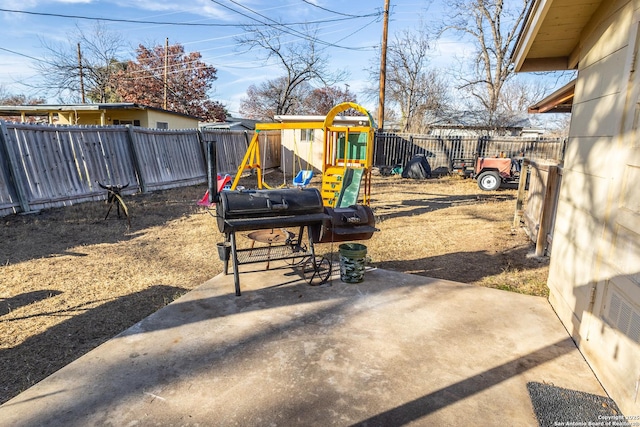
<point>16,75</point>
<point>196,7</point>
<point>33,4</point>
<point>450,52</point>
<point>19,5</point>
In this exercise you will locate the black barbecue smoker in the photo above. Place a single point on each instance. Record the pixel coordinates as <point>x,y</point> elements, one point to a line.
<point>267,214</point>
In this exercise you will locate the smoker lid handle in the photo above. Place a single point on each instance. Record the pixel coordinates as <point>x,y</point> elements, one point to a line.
<point>278,206</point>
<point>351,219</point>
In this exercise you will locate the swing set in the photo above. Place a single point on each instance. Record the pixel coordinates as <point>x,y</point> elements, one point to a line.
<point>303,177</point>
<point>347,155</point>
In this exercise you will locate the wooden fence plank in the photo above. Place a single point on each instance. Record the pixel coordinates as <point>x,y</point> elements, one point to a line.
<point>12,185</point>
<point>548,209</point>
<point>540,203</point>
<point>522,185</point>
<point>230,148</point>
<point>169,158</point>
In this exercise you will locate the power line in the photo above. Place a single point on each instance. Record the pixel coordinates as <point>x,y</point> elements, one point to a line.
<point>281,27</point>
<point>358,30</point>
<point>328,10</point>
<point>188,24</point>
<point>26,56</point>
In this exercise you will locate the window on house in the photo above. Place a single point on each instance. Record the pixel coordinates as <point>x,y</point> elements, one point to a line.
<point>162,125</point>
<point>126,122</point>
<point>306,135</point>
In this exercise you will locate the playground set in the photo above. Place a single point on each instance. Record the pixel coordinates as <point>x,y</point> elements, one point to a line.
<point>337,212</point>
<point>347,157</point>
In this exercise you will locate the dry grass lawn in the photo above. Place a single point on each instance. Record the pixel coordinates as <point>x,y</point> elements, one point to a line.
<point>70,280</point>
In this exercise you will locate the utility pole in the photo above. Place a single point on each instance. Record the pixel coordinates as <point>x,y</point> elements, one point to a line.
<point>166,70</point>
<point>383,64</point>
<point>81,74</point>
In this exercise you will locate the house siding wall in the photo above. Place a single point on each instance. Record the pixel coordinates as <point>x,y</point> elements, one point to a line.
<point>175,122</point>
<point>147,118</point>
<point>298,154</point>
<point>586,271</point>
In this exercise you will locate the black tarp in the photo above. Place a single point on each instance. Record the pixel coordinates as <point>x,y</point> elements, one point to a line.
<point>417,168</point>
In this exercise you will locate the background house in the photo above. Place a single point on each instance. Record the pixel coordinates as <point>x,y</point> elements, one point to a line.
<point>232,123</point>
<point>101,115</point>
<point>594,277</point>
<point>469,124</point>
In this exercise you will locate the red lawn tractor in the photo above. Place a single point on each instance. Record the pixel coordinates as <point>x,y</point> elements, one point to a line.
<point>490,172</point>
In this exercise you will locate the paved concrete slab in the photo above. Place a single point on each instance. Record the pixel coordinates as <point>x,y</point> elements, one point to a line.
<point>396,349</point>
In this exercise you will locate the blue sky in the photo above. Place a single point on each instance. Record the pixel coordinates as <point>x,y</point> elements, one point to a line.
<point>359,38</point>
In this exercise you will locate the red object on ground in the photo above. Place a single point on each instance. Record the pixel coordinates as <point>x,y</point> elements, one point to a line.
<point>222,181</point>
<point>502,165</point>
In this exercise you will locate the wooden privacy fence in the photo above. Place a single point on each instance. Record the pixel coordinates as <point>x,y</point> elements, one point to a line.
<point>231,147</point>
<point>537,202</point>
<point>45,166</point>
<point>392,149</point>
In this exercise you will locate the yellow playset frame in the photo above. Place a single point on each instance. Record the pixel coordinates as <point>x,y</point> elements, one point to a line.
<point>338,150</point>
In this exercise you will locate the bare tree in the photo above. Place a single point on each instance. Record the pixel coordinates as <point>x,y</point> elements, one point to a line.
<point>4,94</point>
<point>8,98</point>
<point>99,61</point>
<point>301,62</point>
<point>515,98</point>
<point>266,100</point>
<point>261,102</point>
<point>321,100</point>
<point>420,93</point>
<point>493,27</point>
<point>19,99</point>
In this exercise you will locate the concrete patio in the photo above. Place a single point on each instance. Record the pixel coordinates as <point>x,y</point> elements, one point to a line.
<point>396,349</point>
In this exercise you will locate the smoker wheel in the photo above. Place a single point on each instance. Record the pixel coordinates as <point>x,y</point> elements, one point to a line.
<point>297,260</point>
<point>318,272</point>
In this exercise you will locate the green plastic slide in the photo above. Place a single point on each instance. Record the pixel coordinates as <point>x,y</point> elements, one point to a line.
<point>350,187</point>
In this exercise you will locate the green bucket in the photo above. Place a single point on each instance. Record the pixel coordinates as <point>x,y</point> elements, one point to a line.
<point>353,257</point>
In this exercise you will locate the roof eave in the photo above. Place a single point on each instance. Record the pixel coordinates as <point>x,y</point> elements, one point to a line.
<point>538,10</point>
<point>43,109</point>
<point>560,101</point>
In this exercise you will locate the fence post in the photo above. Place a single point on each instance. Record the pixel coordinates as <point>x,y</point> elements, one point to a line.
<point>547,209</point>
<point>481,146</point>
<point>136,161</point>
<point>10,154</point>
<point>375,147</point>
<point>524,177</point>
<point>203,145</point>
